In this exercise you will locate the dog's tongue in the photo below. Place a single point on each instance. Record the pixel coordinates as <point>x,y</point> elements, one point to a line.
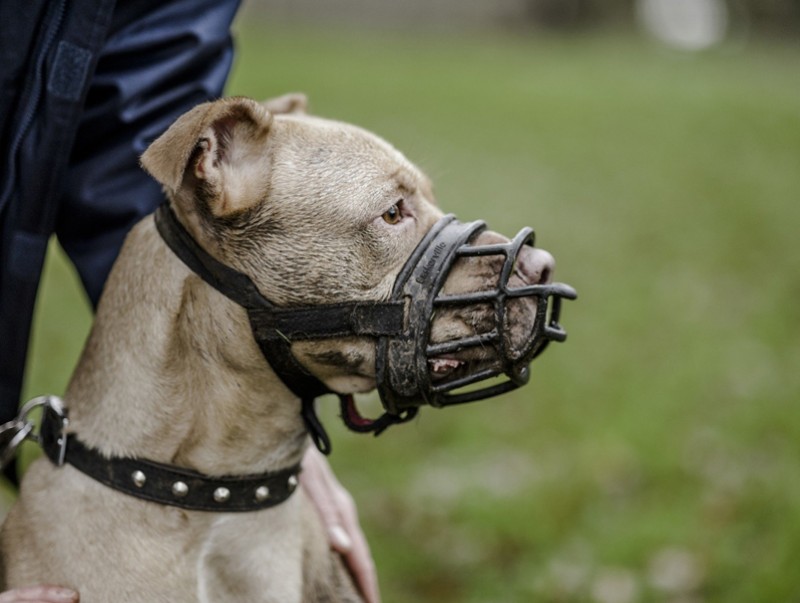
<point>357,422</point>
<point>439,366</point>
<point>352,416</point>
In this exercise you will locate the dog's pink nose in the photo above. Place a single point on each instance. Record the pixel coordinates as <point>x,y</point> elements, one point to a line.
<point>535,265</point>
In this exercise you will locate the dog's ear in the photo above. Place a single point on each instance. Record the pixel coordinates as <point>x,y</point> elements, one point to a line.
<point>220,144</point>
<point>294,102</point>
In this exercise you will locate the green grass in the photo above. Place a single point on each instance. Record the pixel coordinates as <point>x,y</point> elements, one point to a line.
<point>666,430</point>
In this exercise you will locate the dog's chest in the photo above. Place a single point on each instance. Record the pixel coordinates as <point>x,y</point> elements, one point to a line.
<point>251,557</point>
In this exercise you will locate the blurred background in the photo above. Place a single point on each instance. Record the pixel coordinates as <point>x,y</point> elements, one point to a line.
<point>655,148</point>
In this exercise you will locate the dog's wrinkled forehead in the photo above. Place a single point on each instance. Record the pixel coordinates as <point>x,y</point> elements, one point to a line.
<point>313,210</point>
<point>327,185</point>
<point>315,161</point>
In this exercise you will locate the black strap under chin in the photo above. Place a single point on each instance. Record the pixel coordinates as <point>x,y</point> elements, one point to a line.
<point>315,428</point>
<point>376,427</point>
<point>167,484</point>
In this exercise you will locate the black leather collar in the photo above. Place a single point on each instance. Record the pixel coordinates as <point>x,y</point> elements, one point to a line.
<point>165,484</point>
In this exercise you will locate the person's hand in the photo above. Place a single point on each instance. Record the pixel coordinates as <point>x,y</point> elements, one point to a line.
<point>39,594</point>
<point>340,518</point>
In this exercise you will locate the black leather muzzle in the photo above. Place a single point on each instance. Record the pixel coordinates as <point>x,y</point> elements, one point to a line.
<point>404,376</point>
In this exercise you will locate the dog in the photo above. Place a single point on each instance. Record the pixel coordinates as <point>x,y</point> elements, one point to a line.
<point>314,211</point>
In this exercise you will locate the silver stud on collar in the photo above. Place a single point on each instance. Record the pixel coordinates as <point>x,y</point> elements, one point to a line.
<point>180,489</point>
<point>292,482</point>
<point>262,493</point>
<point>139,478</point>
<point>221,495</point>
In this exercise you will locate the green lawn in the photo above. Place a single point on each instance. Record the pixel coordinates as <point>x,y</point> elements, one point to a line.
<point>656,454</point>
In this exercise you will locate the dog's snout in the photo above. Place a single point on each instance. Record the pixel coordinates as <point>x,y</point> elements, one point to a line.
<point>535,266</point>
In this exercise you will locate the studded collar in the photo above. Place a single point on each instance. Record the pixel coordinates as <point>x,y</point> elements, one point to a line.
<point>164,484</point>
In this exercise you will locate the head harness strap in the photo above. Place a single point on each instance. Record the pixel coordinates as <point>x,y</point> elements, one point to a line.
<point>274,327</point>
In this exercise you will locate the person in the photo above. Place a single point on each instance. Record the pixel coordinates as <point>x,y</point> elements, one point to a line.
<point>86,86</point>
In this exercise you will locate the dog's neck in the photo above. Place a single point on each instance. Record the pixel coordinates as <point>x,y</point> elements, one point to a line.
<point>171,373</point>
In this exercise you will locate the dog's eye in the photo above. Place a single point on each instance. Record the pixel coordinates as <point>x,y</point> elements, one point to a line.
<point>393,215</point>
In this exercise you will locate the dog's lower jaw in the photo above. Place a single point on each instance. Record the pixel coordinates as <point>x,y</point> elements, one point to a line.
<point>346,365</point>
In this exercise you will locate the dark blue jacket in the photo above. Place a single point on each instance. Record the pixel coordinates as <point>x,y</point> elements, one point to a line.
<point>85,86</point>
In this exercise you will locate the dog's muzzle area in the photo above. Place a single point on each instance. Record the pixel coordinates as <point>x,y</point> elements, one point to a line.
<point>468,313</point>
<point>480,309</point>
<point>472,274</point>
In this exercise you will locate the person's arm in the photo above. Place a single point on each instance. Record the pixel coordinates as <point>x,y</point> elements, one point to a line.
<point>340,517</point>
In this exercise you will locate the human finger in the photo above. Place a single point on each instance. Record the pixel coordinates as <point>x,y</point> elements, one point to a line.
<point>339,516</point>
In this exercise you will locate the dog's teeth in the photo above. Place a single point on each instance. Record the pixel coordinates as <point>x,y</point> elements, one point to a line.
<point>444,365</point>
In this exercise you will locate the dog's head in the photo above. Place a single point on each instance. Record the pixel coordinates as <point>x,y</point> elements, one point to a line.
<point>321,212</point>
